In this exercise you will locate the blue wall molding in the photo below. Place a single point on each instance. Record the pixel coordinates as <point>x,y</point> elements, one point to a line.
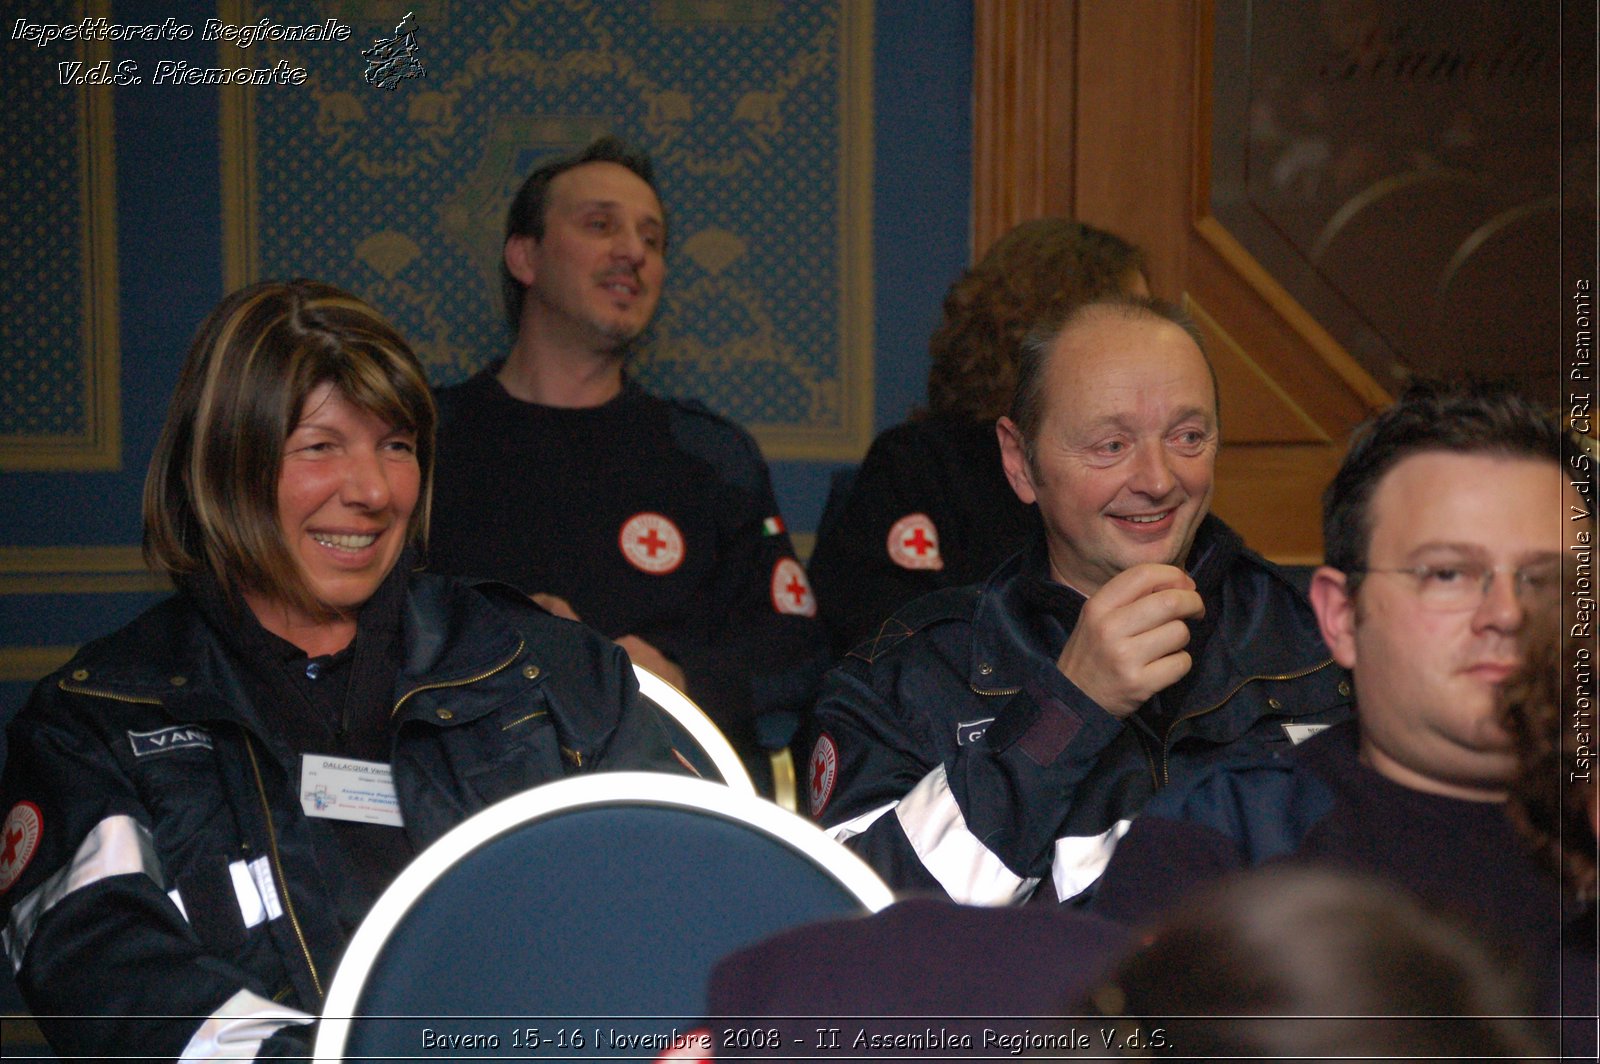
<point>58,340</point>
<point>30,664</point>
<point>76,571</point>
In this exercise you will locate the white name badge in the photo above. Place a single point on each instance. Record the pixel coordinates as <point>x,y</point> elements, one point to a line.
<point>343,788</point>
<point>1299,733</point>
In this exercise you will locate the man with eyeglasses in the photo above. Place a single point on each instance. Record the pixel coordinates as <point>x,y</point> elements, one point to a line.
<point>1443,529</point>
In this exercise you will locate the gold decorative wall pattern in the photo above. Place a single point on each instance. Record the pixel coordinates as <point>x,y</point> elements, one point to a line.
<point>758,116</point>
<point>59,355</point>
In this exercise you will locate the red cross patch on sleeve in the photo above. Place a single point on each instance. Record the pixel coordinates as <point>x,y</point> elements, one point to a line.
<point>21,839</point>
<point>914,543</point>
<point>791,591</point>
<point>822,772</point>
<point>651,543</point>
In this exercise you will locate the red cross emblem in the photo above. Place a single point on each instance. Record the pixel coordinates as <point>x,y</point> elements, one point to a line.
<point>823,774</point>
<point>651,543</point>
<point>791,592</point>
<point>914,543</point>
<point>21,833</point>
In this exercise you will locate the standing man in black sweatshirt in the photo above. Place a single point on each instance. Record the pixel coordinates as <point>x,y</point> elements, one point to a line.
<point>650,519</point>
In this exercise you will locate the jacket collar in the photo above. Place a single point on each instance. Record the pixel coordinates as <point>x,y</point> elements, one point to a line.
<point>1020,611</point>
<point>453,638</point>
<point>1023,615</point>
<point>174,657</point>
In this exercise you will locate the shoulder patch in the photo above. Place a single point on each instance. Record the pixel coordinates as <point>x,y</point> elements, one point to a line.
<point>970,731</point>
<point>914,543</point>
<point>20,835</point>
<point>1299,733</point>
<point>791,591</point>
<point>822,773</point>
<point>651,543</point>
<point>166,740</point>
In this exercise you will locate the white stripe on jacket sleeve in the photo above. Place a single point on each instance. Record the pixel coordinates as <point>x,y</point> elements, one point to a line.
<point>237,1029</point>
<point>968,870</point>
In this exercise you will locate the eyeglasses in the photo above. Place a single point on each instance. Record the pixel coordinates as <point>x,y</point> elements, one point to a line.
<point>1464,585</point>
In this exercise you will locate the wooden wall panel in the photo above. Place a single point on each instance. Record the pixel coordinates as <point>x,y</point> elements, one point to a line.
<point>1133,156</point>
<point>1022,74</point>
<point>1134,129</point>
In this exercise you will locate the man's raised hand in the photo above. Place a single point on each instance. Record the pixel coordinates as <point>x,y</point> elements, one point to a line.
<point>1128,643</point>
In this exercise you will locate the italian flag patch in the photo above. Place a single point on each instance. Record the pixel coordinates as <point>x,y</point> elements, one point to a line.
<point>772,526</point>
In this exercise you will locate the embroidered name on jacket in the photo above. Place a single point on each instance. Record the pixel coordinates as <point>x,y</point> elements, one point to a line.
<point>165,740</point>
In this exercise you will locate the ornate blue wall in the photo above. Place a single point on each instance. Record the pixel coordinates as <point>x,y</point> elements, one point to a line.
<point>814,156</point>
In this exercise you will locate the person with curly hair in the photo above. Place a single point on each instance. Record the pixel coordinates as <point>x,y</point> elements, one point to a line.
<point>930,506</point>
<point>1549,713</point>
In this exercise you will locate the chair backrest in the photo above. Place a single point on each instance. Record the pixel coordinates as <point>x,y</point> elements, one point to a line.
<point>695,735</point>
<point>591,909</point>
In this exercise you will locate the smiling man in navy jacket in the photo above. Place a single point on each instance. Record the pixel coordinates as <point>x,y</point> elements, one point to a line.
<point>993,736</point>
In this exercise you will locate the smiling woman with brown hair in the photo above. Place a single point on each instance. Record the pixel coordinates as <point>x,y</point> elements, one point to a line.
<point>294,384</point>
<point>208,801</point>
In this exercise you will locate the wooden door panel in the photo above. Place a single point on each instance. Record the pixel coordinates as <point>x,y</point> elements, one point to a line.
<point>1137,90</point>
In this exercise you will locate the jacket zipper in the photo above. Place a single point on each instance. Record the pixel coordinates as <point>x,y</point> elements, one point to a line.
<point>1165,778</point>
<point>459,683</point>
<point>261,790</point>
<point>97,693</point>
<point>277,868</point>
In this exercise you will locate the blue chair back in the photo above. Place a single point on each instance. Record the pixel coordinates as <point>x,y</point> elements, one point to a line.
<point>590,910</point>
